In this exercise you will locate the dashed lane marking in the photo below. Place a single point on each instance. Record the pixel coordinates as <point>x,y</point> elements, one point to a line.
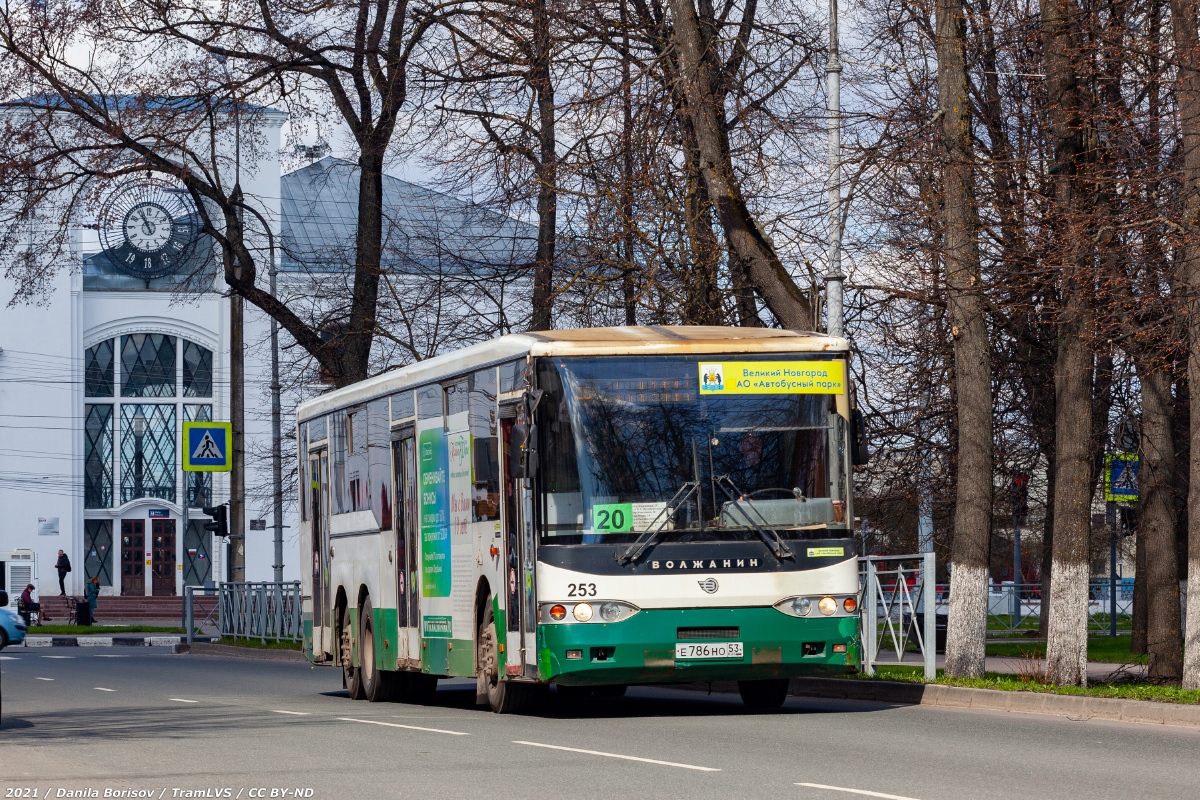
<point>58,656</point>
<point>43,679</point>
<point>618,755</point>
<point>9,658</point>
<point>106,655</point>
<point>102,689</point>
<point>181,700</point>
<point>398,725</point>
<point>855,791</point>
<point>293,713</point>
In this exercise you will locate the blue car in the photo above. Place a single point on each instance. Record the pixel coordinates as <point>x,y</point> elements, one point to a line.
<point>12,628</point>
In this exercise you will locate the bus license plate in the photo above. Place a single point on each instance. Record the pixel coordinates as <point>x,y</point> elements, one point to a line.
<point>689,651</point>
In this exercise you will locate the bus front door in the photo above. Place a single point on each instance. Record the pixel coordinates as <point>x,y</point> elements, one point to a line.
<point>318,470</point>
<point>520,657</point>
<point>408,531</point>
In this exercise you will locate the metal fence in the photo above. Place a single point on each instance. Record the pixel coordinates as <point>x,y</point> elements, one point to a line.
<point>1018,609</point>
<point>898,612</point>
<point>252,610</point>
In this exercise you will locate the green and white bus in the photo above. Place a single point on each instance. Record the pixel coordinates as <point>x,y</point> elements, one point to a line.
<point>588,508</point>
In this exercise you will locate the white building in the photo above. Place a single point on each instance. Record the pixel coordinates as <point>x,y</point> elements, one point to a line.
<point>96,380</point>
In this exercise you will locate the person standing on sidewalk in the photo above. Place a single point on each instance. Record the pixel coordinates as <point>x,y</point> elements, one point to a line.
<point>63,565</point>
<point>92,595</point>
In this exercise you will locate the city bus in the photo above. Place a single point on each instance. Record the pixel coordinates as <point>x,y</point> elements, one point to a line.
<point>586,508</point>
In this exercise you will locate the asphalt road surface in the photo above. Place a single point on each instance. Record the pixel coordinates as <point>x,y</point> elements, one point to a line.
<point>78,722</point>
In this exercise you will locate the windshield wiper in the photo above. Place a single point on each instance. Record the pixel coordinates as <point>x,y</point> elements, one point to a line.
<point>650,535</point>
<point>768,534</point>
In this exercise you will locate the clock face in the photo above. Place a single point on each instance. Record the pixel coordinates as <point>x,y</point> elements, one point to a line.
<point>148,229</point>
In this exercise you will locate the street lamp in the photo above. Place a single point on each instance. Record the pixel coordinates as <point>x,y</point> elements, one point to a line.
<point>139,430</point>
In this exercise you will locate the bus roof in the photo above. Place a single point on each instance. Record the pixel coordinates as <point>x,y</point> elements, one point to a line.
<point>629,340</point>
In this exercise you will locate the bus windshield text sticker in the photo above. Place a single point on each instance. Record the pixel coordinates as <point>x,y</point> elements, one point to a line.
<point>435,513</point>
<point>773,377</point>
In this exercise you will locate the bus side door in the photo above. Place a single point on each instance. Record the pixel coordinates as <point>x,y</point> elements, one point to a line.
<point>520,656</point>
<point>408,532</point>
<point>318,487</point>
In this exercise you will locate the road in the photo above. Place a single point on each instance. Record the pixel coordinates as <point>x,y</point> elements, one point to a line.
<point>137,718</point>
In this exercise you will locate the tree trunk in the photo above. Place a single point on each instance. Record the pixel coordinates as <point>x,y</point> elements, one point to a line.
<point>353,342</point>
<point>1066,642</point>
<point>699,75</point>
<point>967,631</point>
<point>1156,483</point>
<point>1184,15</point>
<point>1047,550</point>
<point>701,303</point>
<point>1138,634</point>
<point>547,172</point>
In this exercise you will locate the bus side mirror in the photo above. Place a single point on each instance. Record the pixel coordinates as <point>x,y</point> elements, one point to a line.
<point>3,598</point>
<point>516,455</point>
<point>860,446</point>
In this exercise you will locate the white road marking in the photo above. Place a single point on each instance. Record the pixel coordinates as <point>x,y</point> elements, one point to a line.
<point>58,656</point>
<point>181,700</point>
<point>398,725</point>
<point>102,689</point>
<point>43,679</point>
<point>103,655</point>
<point>293,713</point>
<point>9,658</point>
<point>855,791</point>
<point>618,755</point>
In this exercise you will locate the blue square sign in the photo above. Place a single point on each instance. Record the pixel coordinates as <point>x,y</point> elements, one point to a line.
<point>207,446</point>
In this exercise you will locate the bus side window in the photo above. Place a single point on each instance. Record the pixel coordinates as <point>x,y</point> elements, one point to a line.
<point>485,446</point>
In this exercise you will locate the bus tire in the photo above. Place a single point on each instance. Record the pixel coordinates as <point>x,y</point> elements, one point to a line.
<point>504,697</point>
<point>351,677</point>
<point>376,684</point>
<point>763,695</point>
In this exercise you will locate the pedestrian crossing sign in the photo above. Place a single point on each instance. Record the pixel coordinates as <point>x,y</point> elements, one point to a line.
<point>1121,478</point>
<point>207,446</point>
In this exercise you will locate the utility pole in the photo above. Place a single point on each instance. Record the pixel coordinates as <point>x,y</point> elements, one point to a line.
<point>237,384</point>
<point>833,268</point>
<point>276,435</point>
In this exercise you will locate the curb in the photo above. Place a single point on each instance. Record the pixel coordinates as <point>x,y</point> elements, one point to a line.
<point>1077,708</point>
<point>127,640</point>
<point>200,648</point>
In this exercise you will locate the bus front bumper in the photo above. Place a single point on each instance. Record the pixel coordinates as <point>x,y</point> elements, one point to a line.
<point>642,648</point>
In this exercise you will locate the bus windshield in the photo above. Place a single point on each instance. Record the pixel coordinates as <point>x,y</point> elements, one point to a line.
<point>631,444</point>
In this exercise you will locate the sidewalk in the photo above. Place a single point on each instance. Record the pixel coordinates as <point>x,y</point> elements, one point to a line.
<point>1008,665</point>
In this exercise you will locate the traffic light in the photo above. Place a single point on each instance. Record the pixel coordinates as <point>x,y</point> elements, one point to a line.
<point>219,524</point>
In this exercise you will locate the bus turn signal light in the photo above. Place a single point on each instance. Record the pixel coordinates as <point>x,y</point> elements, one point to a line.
<point>850,604</point>
<point>557,612</point>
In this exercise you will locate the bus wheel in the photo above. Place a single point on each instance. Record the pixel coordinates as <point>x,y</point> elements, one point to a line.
<point>376,684</point>
<point>351,677</point>
<point>505,697</point>
<point>763,694</point>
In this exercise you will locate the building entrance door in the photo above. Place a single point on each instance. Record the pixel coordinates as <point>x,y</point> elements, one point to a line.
<point>162,532</point>
<point>133,547</point>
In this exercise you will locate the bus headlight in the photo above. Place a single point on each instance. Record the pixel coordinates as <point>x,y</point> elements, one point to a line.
<point>597,612</point>
<point>582,612</point>
<point>827,606</point>
<point>610,612</point>
<point>802,605</point>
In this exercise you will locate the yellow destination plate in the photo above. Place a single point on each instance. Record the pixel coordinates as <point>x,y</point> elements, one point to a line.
<point>773,377</point>
<point>825,552</point>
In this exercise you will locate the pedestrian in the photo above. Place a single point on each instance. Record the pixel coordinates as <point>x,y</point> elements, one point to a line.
<point>63,565</point>
<point>27,605</point>
<point>92,594</point>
